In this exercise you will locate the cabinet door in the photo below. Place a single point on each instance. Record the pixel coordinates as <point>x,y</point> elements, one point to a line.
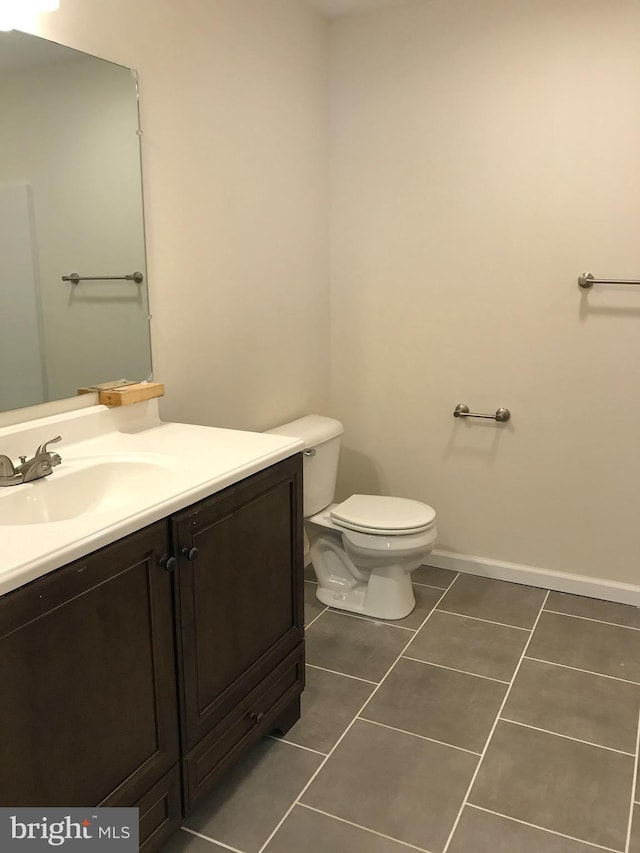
<point>87,683</point>
<point>240,596</point>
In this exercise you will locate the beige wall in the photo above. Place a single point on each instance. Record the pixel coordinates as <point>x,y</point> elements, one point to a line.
<point>484,154</point>
<point>234,102</point>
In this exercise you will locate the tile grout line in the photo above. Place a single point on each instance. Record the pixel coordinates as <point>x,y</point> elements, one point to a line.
<point>446,588</point>
<point>414,734</point>
<point>297,745</point>
<point>453,669</point>
<point>568,737</point>
<point>488,621</point>
<point>633,791</point>
<point>306,627</point>
<point>365,828</point>
<point>543,828</point>
<point>212,840</point>
<point>586,671</point>
<point>345,732</point>
<point>493,728</point>
<point>364,618</point>
<point>345,674</point>
<point>593,619</point>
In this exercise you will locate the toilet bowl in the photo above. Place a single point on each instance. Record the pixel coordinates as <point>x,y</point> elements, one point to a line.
<point>362,549</point>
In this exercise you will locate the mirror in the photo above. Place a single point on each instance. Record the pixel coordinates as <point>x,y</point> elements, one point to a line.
<point>70,202</point>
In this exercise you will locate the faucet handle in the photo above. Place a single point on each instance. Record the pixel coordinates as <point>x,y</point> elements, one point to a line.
<point>6,466</point>
<point>43,447</point>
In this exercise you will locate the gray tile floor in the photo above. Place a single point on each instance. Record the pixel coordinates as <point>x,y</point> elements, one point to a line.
<point>496,718</point>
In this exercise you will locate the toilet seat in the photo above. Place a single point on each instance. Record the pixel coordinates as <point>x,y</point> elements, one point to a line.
<point>383,516</point>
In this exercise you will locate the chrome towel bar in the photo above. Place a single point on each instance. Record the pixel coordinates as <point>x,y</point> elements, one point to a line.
<point>461,411</point>
<point>74,278</point>
<point>586,280</point>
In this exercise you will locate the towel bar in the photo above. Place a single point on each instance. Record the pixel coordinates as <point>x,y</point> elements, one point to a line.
<point>74,278</point>
<point>586,280</point>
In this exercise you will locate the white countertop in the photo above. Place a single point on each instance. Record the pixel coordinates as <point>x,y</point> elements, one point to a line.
<point>170,466</point>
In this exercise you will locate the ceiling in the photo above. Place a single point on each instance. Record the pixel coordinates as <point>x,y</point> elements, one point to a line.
<point>334,8</point>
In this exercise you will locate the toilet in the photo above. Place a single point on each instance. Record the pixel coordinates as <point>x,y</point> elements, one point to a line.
<point>364,549</point>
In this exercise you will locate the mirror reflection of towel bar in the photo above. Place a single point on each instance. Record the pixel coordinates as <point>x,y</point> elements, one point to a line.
<point>586,280</point>
<point>74,278</point>
<point>461,411</point>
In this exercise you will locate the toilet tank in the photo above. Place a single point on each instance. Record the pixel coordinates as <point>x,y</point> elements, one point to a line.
<point>321,438</point>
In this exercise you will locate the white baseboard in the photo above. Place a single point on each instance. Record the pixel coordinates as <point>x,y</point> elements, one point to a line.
<point>623,593</point>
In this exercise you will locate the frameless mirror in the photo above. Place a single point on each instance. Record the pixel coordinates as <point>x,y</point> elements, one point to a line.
<point>70,202</point>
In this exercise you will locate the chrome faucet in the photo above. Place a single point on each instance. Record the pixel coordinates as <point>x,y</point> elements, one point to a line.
<point>40,465</point>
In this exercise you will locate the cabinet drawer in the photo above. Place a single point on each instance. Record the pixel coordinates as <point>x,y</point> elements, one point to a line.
<point>253,717</point>
<point>160,811</point>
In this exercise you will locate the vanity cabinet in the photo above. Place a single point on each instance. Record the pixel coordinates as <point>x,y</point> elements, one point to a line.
<point>137,675</point>
<point>240,600</point>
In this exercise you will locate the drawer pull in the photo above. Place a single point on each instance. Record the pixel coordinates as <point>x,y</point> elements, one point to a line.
<point>256,716</point>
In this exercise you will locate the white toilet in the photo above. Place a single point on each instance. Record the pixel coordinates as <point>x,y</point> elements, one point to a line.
<point>364,548</point>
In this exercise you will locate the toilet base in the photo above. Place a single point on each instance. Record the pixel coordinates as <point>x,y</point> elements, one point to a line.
<point>387,595</point>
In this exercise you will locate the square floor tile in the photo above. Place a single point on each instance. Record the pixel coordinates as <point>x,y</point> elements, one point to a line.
<point>594,608</point>
<point>312,607</point>
<point>634,845</point>
<point>497,601</point>
<point>584,706</point>
<point>185,842</point>
<point>329,703</point>
<point>309,574</point>
<point>432,576</point>
<point>250,801</point>
<point>309,831</point>
<point>394,783</point>
<point>588,645</point>
<point>355,646</point>
<point>560,784</point>
<point>426,600</point>
<point>437,703</point>
<point>470,645</point>
<point>482,832</point>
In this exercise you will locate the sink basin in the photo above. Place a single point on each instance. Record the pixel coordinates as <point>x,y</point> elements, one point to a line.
<point>122,469</point>
<point>78,488</point>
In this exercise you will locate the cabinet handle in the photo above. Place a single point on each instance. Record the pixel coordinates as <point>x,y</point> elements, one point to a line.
<point>256,716</point>
<point>168,563</point>
<point>189,553</point>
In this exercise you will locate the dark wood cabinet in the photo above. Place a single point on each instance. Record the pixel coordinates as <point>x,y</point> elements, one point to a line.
<point>160,811</point>
<point>240,590</point>
<point>88,712</point>
<point>273,705</point>
<point>90,695</point>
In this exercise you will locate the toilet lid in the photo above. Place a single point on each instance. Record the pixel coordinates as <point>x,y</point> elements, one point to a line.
<point>383,515</point>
